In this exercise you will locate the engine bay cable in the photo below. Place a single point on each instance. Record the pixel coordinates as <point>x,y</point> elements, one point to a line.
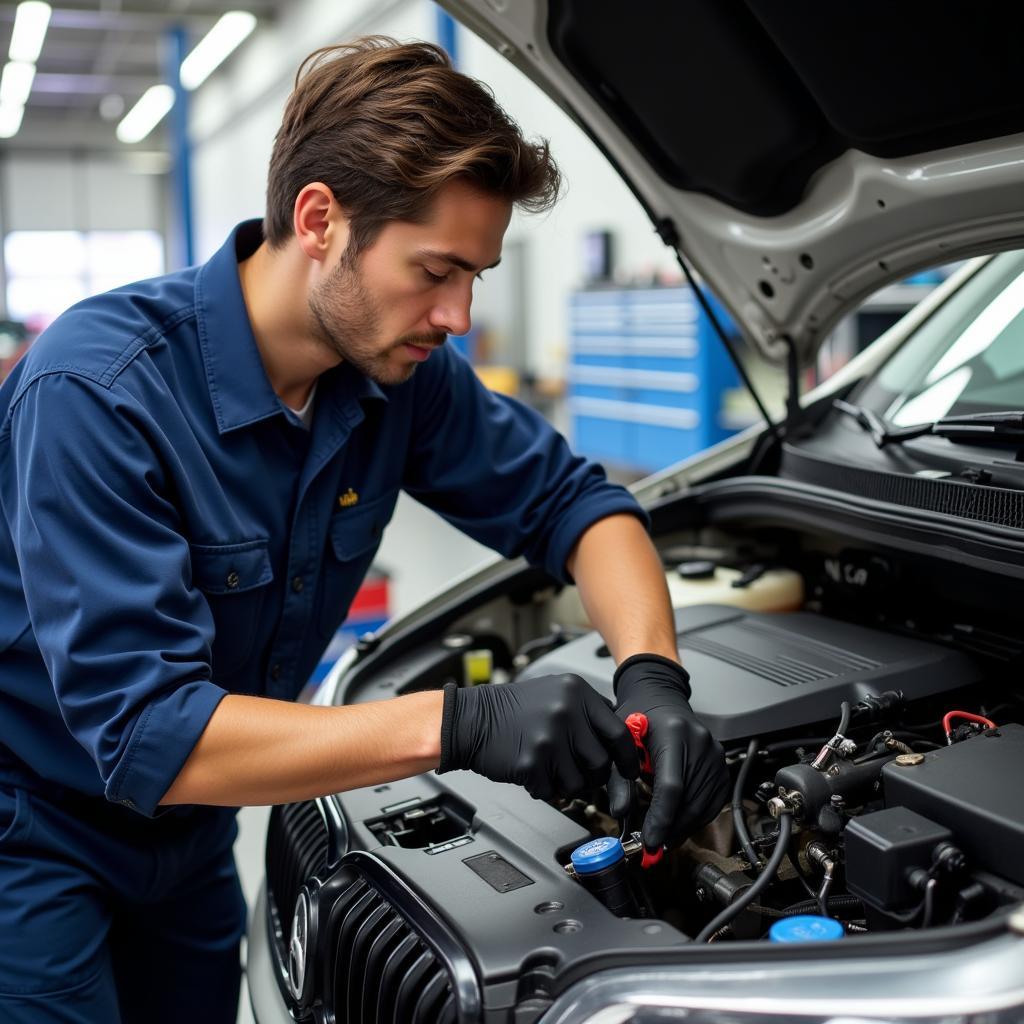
<point>947,720</point>
<point>830,748</point>
<point>738,819</point>
<point>826,885</point>
<point>731,912</point>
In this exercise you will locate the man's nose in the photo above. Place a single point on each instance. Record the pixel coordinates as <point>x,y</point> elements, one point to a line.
<point>451,314</point>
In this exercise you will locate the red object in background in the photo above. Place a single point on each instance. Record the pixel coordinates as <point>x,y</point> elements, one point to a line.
<point>369,610</point>
<point>371,600</point>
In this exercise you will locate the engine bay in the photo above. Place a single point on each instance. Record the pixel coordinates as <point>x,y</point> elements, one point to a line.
<point>895,820</point>
<point>867,696</point>
<point>875,757</point>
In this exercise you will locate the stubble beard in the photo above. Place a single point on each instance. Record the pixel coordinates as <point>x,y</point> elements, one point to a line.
<point>346,319</point>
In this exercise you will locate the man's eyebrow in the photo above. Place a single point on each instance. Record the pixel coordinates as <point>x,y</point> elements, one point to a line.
<point>456,260</point>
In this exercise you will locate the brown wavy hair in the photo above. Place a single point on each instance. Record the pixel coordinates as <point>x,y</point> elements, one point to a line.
<point>385,125</point>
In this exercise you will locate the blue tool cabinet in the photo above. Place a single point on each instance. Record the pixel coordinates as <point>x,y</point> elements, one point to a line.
<point>646,376</point>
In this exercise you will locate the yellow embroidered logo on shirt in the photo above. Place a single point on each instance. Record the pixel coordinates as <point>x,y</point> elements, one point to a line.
<point>348,499</point>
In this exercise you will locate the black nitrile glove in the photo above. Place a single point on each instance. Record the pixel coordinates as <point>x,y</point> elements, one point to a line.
<point>554,735</point>
<point>691,782</point>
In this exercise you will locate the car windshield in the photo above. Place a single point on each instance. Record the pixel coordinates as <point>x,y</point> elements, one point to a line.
<point>968,357</point>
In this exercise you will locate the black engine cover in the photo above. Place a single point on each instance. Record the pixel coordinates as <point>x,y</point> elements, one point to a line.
<point>754,672</point>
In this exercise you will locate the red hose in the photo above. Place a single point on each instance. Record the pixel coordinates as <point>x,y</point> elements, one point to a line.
<point>950,715</point>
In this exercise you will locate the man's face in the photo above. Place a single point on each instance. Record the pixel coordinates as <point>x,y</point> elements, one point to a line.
<point>387,310</point>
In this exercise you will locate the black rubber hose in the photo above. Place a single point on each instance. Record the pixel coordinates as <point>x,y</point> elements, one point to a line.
<point>844,901</point>
<point>844,718</point>
<point>808,888</point>
<point>835,903</point>
<point>828,751</point>
<point>738,819</point>
<point>731,912</point>
<point>826,885</point>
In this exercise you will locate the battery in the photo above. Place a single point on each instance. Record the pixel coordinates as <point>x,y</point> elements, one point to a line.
<point>974,788</point>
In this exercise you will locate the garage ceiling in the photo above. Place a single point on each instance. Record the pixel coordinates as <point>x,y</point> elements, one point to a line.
<point>98,59</point>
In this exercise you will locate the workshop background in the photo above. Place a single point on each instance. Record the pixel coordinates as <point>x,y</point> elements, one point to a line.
<point>116,165</point>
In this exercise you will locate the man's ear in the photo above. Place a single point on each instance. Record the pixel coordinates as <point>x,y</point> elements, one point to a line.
<point>319,223</point>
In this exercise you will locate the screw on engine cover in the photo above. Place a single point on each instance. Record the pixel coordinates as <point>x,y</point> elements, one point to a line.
<point>908,760</point>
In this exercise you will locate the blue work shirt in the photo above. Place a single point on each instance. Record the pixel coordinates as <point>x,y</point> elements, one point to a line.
<point>170,534</point>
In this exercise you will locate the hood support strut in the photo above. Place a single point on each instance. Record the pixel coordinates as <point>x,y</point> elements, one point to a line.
<point>669,234</point>
<point>793,408</point>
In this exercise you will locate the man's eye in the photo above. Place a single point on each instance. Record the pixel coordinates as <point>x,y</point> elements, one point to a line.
<point>436,278</point>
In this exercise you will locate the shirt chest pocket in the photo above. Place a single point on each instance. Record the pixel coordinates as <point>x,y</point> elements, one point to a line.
<point>353,537</point>
<point>234,580</point>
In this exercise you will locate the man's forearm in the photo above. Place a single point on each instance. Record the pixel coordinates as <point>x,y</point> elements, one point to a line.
<point>260,751</point>
<point>623,589</point>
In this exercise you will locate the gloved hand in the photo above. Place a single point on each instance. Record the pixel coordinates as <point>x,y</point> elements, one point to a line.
<point>691,782</point>
<point>554,735</point>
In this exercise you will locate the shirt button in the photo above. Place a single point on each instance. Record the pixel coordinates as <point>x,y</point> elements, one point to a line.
<point>275,671</point>
<point>233,580</point>
<point>297,584</point>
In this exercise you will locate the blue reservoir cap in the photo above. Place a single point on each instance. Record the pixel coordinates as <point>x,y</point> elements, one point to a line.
<point>597,855</point>
<point>806,928</point>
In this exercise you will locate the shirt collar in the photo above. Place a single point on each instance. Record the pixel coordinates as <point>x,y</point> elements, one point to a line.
<point>239,387</point>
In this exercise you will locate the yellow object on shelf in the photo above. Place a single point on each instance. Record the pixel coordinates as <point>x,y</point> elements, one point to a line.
<point>477,666</point>
<point>503,379</point>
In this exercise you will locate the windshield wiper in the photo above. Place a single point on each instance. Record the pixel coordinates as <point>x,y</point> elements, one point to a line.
<point>1005,425</point>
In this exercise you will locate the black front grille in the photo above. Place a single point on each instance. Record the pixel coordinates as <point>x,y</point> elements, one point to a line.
<point>297,847</point>
<point>384,972</point>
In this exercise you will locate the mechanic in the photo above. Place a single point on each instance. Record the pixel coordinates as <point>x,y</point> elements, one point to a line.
<point>195,472</point>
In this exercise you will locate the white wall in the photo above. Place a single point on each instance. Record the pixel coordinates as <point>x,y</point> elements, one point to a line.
<point>77,192</point>
<point>81,193</point>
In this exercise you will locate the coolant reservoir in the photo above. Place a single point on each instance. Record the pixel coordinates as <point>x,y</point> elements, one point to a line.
<point>770,590</point>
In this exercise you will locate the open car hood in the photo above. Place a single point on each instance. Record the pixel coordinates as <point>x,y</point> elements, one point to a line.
<point>801,155</point>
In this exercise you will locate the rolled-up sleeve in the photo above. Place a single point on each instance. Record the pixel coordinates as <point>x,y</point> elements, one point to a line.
<point>498,471</point>
<point>125,635</point>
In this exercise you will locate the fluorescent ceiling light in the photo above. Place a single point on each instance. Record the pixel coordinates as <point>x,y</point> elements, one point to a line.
<point>16,83</point>
<point>29,30</point>
<point>146,114</point>
<point>10,119</point>
<point>215,46</point>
